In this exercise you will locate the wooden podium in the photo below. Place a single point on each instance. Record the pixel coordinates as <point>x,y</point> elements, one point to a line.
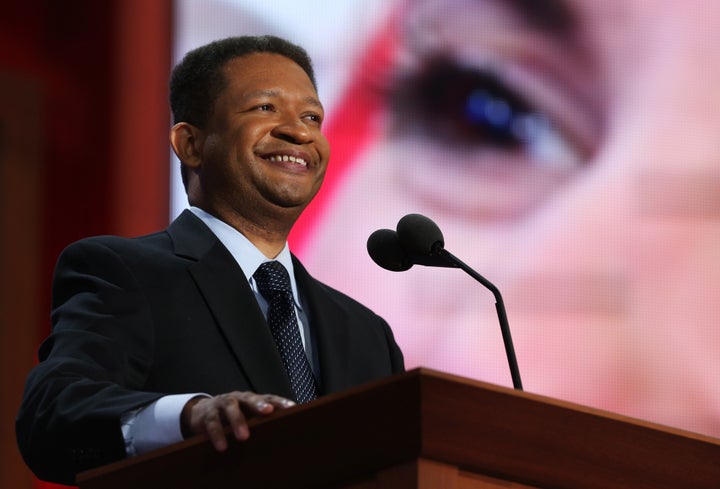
<point>425,429</point>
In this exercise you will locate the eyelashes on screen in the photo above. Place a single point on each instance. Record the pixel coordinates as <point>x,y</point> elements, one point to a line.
<point>460,104</point>
<point>478,147</point>
<point>473,108</point>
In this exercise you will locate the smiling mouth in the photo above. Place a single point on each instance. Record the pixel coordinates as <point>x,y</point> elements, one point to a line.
<point>283,158</point>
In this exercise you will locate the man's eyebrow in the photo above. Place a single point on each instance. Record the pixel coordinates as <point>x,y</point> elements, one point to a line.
<point>274,93</point>
<point>313,101</point>
<point>262,94</point>
<point>554,16</point>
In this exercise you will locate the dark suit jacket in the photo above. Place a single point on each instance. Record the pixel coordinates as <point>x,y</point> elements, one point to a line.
<point>134,319</point>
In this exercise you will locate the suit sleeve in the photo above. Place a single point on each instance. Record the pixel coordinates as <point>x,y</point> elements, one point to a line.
<point>91,368</point>
<point>397,360</point>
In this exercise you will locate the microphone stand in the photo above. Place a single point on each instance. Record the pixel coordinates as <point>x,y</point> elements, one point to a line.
<point>499,306</point>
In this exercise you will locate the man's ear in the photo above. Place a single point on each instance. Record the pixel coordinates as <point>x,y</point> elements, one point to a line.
<point>187,141</point>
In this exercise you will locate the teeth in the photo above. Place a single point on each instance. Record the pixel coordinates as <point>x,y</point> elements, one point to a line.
<point>278,158</point>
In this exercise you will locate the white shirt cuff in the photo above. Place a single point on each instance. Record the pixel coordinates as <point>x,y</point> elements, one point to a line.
<point>155,425</point>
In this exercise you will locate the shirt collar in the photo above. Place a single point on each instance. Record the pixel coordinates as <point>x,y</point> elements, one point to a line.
<point>246,254</point>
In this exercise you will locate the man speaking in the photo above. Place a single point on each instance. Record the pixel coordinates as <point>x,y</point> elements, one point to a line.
<point>211,321</point>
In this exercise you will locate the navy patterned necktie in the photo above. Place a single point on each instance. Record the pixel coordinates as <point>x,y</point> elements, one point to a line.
<point>273,282</point>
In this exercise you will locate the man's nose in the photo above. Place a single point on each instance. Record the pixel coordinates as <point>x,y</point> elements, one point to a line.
<point>293,130</point>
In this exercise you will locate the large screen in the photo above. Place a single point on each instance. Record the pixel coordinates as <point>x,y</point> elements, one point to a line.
<point>569,150</point>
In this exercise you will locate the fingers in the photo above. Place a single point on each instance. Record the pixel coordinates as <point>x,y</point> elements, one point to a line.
<point>274,401</point>
<point>211,415</point>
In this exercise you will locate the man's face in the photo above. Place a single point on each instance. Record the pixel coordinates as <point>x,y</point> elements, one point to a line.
<point>263,154</point>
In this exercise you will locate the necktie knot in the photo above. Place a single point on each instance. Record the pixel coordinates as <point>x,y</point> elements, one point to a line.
<point>271,277</point>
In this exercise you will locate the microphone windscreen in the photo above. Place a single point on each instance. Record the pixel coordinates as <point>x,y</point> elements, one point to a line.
<point>419,235</point>
<point>385,249</point>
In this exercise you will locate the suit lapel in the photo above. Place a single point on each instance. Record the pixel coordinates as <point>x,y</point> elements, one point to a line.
<point>233,305</point>
<point>328,323</point>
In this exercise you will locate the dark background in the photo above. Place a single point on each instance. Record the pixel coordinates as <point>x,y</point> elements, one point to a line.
<point>83,151</point>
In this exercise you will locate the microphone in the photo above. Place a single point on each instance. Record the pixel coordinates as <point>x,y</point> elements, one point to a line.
<point>419,241</point>
<point>421,237</point>
<point>385,249</point>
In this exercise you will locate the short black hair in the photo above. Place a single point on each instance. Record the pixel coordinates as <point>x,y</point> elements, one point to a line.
<point>197,80</point>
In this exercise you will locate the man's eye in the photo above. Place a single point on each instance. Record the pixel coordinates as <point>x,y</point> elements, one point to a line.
<point>471,108</point>
<point>264,107</point>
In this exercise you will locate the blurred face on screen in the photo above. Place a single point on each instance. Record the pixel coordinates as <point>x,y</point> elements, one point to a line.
<point>570,152</point>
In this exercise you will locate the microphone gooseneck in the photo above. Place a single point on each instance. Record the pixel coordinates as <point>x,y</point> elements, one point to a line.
<point>501,313</point>
<point>418,240</point>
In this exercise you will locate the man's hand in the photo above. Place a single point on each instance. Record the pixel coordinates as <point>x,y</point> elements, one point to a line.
<point>210,415</point>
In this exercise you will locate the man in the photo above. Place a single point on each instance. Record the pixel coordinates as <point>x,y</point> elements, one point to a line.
<point>165,336</point>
